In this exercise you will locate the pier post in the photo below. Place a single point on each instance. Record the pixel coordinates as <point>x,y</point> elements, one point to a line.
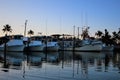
<point>63,43</point>
<point>46,44</point>
<point>5,50</point>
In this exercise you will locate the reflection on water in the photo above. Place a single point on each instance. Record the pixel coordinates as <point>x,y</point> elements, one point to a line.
<point>60,65</point>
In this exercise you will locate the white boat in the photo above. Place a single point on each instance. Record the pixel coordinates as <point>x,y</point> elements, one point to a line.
<point>67,45</point>
<point>108,48</point>
<point>52,46</point>
<point>68,48</point>
<point>86,46</point>
<point>105,47</point>
<point>90,47</point>
<point>14,44</point>
<point>36,46</point>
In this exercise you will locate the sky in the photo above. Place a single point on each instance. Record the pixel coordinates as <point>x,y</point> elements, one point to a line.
<point>59,16</point>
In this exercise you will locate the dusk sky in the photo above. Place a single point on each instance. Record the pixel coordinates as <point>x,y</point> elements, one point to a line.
<point>59,16</point>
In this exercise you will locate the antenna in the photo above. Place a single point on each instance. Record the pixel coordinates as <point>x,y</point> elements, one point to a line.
<point>86,19</point>
<point>25,28</point>
<point>60,24</point>
<point>46,26</point>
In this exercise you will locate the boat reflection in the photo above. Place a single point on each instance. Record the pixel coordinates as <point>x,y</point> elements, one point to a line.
<point>79,61</point>
<point>98,60</point>
<point>13,60</point>
<point>53,57</point>
<point>116,61</point>
<point>34,59</point>
<point>37,58</point>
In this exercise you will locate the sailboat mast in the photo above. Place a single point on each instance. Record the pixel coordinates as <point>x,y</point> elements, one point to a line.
<point>74,31</point>
<point>25,28</point>
<point>78,32</point>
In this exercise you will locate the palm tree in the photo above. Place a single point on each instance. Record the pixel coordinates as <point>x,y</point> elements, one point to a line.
<point>99,34</point>
<point>116,36</point>
<point>30,32</point>
<point>107,38</point>
<point>6,29</point>
<point>85,33</point>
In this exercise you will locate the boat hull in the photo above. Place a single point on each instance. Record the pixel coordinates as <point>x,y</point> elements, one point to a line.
<point>51,48</point>
<point>13,48</point>
<point>86,48</point>
<point>108,48</point>
<point>67,49</point>
<point>36,48</point>
<point>89,48</point>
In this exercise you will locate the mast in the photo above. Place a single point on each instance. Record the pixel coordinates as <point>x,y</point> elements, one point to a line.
<point>74,31</point>
<point>73,37</point>
<point>25,28</point>
<point>78,32</point>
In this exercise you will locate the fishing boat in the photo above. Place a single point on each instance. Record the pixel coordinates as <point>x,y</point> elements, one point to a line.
<point>14,44</point>
<point>88,45</point>
<point>85,46</point>
<point>36,44</point>
<point>108,48</point>
<point>51,46</point>
<point>104,46</point>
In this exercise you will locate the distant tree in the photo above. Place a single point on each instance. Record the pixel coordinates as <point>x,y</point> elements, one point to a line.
<point>114,34</point>
<point>7,28</point>
<point>107,38</point>
<point>30,32</point>
<point>106,33</point>
<point>99,34</point>
<point>114,37</point>
<point>85,33</point>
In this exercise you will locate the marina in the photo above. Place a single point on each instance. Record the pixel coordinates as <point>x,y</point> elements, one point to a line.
<point>59,40</point>
<point>59,57</point>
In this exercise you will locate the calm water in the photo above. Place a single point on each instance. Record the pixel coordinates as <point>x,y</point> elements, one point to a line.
<point>60,66</point>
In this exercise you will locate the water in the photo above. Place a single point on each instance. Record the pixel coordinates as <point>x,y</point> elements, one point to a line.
<point>60,66</point>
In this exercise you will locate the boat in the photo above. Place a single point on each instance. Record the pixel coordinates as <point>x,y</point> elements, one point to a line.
<point>88,45</point>
<point>95,45</point>
<point>66,45</point>
<point>36,44</point>
<point>108,48</point>
<point>51,46</point>
<point>85,46</point>
<point>88,48</point>
<point>14,44</point>
<point>105,47</point>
